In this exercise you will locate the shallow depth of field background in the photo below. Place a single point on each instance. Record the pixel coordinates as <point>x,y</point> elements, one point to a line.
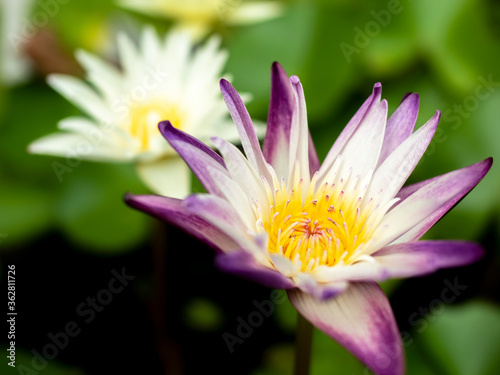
<point>67,236</point>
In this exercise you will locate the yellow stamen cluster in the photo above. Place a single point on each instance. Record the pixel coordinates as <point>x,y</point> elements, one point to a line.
<point>144,119</point>
<point>323,227</point>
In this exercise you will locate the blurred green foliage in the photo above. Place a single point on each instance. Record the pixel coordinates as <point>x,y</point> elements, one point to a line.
<point>447,51</point>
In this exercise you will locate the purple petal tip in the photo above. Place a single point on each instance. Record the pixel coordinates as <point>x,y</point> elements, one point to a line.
<point>164,125</point>
<point>408,94</point>
<point>224,84</point>
<point>165,128</point>
<point>377,89</point>
<point>277,66</point>
<point>294,80</point>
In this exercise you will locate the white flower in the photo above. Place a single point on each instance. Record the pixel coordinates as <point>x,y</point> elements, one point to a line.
<point>164,79</point>
<point>198,16</point>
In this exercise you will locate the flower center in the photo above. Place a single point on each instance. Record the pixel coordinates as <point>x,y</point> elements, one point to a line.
<point>144,119</point>
<point>326,227</point>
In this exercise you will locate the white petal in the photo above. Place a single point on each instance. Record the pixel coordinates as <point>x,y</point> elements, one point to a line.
<point>250,12</point>
<point>242,172</point>
<point>82,95</point>
<point>76,146</point>
<point>284,265</point>
<point>170,177</point>
<point>299,136</point>
<point>360,155</point>
<point>392,174</point>
<point>235,195</point>
<point>101,74</point>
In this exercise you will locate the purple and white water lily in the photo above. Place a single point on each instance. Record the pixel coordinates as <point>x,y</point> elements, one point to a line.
<point>327,233</point>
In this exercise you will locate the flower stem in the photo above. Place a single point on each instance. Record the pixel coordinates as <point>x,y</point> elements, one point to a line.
<point>303,346</point>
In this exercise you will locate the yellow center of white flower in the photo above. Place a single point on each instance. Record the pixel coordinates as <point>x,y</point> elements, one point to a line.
<point>320,228</point>
<point>144,119</point>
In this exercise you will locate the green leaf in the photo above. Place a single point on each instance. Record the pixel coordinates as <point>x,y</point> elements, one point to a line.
<point>330,358</point>
<point>465,339</point>
<point>278,359</point>
<point>24,365</point>
<point>417,363</point>
<point>28,186</point>
<point>92,212</point>
<point>202,315</point>
<point>25,213</point>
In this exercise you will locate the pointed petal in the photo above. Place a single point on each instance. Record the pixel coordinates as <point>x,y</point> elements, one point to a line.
<point>174,212</point>
<point>244,264</point>
<point>196,155</point>
<point>241,171</point>
<point>360,319</point>
<point>234,195</point>
<point>129,56</point>
<point>81,95</point>
<point>361,153</point>
<point>405,260</point>
<point>76,146</point>
<point>423,257</point>
<point>394,171</point>
<point>245,127</point>
<point>372,101</point>
<point>276,148</point>
<point>221,215</point>
<point>279,120</point>
<point>400,125</point>
<point>110,139</point>
<point>103,75</point>
<point>169,177</point>
<point>299,136</point>
<point>443,192</point>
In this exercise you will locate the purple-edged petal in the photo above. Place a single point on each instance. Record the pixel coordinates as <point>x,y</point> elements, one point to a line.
<point>400,125</point>
<point>450,188</point>
<point>299,135</point>
<point>361,320</point>
<point>361,153</point>
<point>405,260</point>
<point>216,211</point>
<point>314,163</point>
<point>173,212</point>
<point>221,215</point>
<point>372,101</point>
<point>276,143</point>
<point>276,148</point>
<point>395,170</point>
<point>321,291</point>
<point>241,171</point>
<point>234,195</point>
<point>423,257</point>
<point>197,155</point>
<point>245,127</point>
<point>244,265</point>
